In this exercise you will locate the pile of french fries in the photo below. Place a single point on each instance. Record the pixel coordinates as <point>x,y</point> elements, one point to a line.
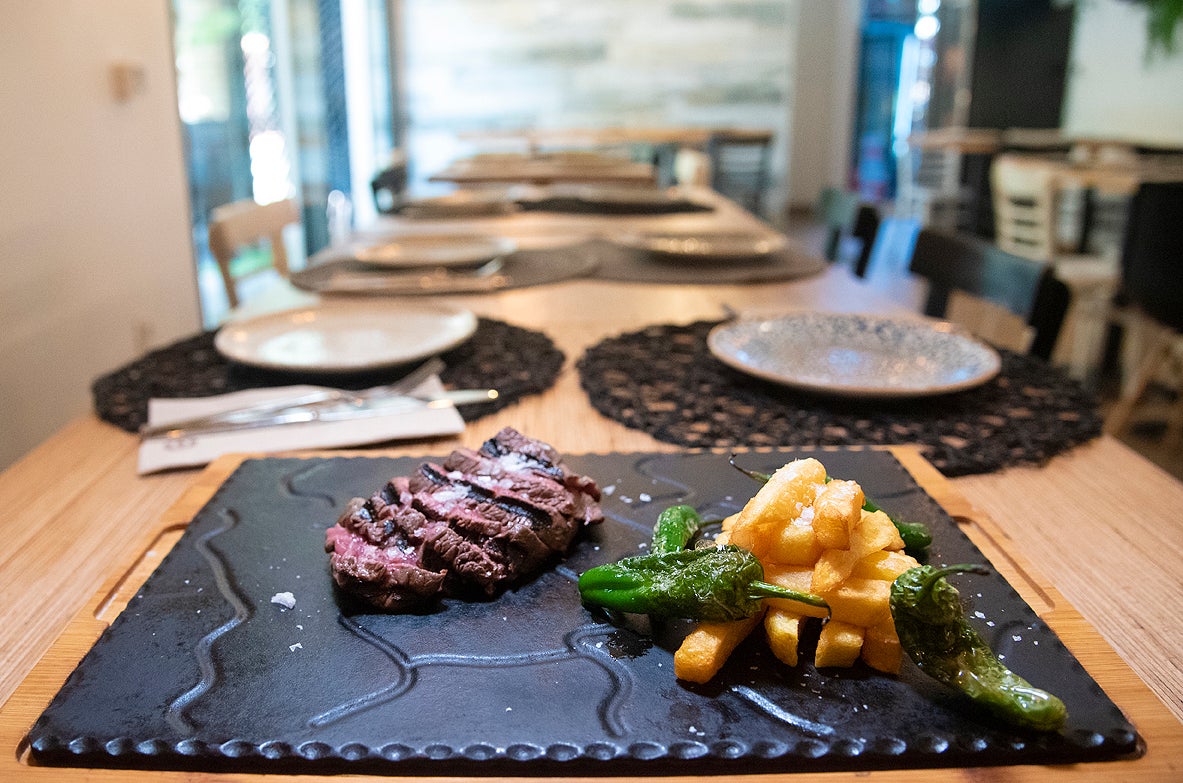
<point>811,536</point>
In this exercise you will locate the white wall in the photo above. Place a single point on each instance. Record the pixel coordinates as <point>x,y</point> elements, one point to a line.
<point>823,100</point>
<point>95,252</point>
<point>1113,89</point>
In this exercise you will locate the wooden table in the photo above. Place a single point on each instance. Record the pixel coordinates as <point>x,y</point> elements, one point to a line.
<point>538,228</point>
<point>558,138</point>
<point>546,169</point>
<point>1098,528</point>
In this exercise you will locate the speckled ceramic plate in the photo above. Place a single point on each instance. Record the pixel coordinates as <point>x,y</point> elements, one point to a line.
<point>856,355</point>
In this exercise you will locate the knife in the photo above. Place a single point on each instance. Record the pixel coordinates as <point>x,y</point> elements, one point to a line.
<point>332,410</point>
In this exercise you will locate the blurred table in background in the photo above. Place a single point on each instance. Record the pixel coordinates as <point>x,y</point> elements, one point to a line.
<point>546,168</point>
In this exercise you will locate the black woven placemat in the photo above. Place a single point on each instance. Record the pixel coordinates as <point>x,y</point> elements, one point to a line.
<point>517,362</point>
<point>664,381</point>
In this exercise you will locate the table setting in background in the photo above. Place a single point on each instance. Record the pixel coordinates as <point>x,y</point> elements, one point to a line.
<point>474,241</point>
<point>542,168</point>
<point>422,370</point>
<point>814,379</point>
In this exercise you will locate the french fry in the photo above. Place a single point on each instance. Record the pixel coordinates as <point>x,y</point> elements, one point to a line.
<point>782,498</point>
<point>883,565</point>
<point>862,602</point>
<point>832,569</point>
<point>836,511</point>
<point>794,544</point>
<point>783,629</point>
<point>881,648</point>
<point>838,645</point>
<point>792,578</point>
<point>707,647</point>
<point>874,532</point>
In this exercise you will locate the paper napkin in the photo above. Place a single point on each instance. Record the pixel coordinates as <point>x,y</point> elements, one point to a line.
<point>194,450</point>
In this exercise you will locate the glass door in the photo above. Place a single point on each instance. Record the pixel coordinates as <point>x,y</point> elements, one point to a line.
<point>279,99</point>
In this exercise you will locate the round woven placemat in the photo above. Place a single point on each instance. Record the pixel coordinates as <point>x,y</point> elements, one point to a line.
<point>515,361</point>
<point>664,381</point>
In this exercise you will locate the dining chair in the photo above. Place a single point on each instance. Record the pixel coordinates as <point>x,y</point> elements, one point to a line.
<point>844,216</point>
<point>1026,223</point>
<point>390,183</point>
<point>240,224</point>
<point>1152,319</point>
<point>954,263</point>
<point>929,188</point>
<point>739,165</point>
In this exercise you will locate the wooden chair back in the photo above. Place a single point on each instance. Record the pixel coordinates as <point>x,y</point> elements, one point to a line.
<point>929,188</point>
<point>740,161</point>
<point>239,224</point>
<point>1152,340</point>
<point>1152,256</point>
<point>1022,286</point>
<point>1024,199</point>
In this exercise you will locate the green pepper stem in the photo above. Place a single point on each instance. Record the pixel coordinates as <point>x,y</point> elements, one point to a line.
<point>755,476</point>
<point>767,590</point>
<point>941,573</point>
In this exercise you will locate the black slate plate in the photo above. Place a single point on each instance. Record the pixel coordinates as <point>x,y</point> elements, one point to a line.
<point>202,671</point>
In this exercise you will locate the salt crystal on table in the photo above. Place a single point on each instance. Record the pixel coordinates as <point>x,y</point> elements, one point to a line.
<point>286,600</point>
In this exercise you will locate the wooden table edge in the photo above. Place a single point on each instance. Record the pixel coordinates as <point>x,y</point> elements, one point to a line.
<point>1158,727</point>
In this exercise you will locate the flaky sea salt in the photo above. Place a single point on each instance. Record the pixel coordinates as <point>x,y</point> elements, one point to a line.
<point>285,599</point>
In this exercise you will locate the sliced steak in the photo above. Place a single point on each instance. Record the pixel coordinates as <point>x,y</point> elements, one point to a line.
<point>377,550</point>
<point>480,521</point>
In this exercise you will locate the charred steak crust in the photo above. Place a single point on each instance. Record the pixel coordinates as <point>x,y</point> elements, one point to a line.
<point>478,522</point>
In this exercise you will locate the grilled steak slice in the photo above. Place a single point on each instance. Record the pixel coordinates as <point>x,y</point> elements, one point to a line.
<point>481,520</point>
<point>377,547</point>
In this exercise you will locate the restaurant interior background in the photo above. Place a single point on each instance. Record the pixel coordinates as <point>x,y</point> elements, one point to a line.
<point>125,121</point>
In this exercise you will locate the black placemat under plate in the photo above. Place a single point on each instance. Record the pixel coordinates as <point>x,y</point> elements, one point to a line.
<point>202,671</point>
<point>663,380</point>
<point>517,362</point>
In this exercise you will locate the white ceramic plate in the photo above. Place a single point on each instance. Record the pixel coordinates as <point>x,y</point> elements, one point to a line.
<point>346,336</point>
<point>416,250</point>
<point>856,355</point>
<point>722,246</point>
